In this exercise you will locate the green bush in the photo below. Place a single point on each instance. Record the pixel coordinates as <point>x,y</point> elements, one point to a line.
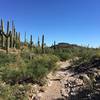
<point>7,58</point>
<point>33,71</point>
<point>49,50</point>
<point>63,54</point>
<point>37,50</point>
<point>10,76</point>
<point>85,56</point>
<point>41,66</point>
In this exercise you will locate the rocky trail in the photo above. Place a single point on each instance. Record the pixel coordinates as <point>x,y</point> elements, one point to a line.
<point>60,85</point>
<point>53,91</point>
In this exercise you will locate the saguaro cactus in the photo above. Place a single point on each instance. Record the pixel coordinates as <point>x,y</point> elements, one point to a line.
<point>14,38</point>
<point>11,38</point>
<point>2,36</point>
<point>12,35</point>
<point>54,46</point>
<point>25,42</point>
<point>7,35</point>
<point>38,41</point>
<point>13,27</point>
<point>31,42</point>
<point>18,41</point>
<point>43,43</point>
<point>25,38</point>
<point>2,25</point>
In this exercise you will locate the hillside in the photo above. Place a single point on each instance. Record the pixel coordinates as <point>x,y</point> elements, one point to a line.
<point>30,71</point>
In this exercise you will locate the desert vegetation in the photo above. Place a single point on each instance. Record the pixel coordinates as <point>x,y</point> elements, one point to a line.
<point>24,64</point>
<point>87,67</point>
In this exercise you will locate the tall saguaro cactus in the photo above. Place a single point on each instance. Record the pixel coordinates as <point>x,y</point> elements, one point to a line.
<point>31,42</point>
<point>12,35</point>
<point>14,38</point>
<point>38,41</point>
<point>2,25</point>
<point>43,43</point>
<point>9,38</point>
<point>25,38</point>
<point>25,42</point>
<point>13,27</point>
<point>54,46</point>
<point>2,30</point>
<point>18,41</point>
<point>7,35</point>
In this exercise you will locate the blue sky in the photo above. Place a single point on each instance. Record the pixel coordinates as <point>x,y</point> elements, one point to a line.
<point>72,21</point>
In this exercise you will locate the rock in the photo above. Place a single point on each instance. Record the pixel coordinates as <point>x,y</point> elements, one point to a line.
<point>87,81</point>
<point>63,83</point>
<point>36,98</point>
<point>50,76</point>
<point>70,85</point>
<point>49,83</point>
<point>42,89</point>
<point>63,93</point>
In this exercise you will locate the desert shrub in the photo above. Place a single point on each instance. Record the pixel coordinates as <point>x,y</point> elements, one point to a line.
<point>10,76</point>
<point>7,58</point>
<point>84,56</point>
<point>97,52</point>
<point>16,92</point>
<point>49,50</point>
<point>12,71</point>
<point>25,56</point>
<point>37,50</point>
<point>63,54</point>
<point>33,71</point>
<point>41,66</point>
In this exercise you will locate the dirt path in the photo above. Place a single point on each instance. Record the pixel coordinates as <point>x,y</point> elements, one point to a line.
<point>53,91</point>
<point>59,84</point>
<point>64,84</point>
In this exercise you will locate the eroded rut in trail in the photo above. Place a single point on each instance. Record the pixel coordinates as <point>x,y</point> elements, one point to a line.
<point>59,84</point>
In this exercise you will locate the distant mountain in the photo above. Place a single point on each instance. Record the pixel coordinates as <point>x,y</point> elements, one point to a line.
<point>65,45</point>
